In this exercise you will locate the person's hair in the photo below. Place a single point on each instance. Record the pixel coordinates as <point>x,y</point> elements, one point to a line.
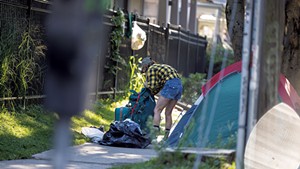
<point>146,67</point>
<point>153,62</point>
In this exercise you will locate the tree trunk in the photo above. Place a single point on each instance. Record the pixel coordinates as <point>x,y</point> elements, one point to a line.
<point>290,60</point>
<point>290,66</point>
<point>236,34</point>
<point>270,42</point>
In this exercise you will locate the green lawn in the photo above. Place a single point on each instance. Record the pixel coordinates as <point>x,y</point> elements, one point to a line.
<point>27,132</point>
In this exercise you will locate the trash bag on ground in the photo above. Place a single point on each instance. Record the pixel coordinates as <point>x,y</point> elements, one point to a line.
<point>125,133</point>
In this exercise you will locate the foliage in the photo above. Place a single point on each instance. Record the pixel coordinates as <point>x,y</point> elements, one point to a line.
<point>25,132</point>
<point>192,87</point>
<point>19,58</point>
<point>102,114</point>
<point>136,81</point>
<point>116,37</point>
<point>178,160</point>
<point>31,50</point>
<point>219,56</point>
<point>7,59</point>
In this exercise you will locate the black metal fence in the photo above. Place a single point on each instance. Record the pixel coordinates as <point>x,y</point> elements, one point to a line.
<point>179,48</point>
<point>171,45</point>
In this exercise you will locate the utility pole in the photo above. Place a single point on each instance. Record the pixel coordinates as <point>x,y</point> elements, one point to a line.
<point>262,49</point>
<point>242,132</point>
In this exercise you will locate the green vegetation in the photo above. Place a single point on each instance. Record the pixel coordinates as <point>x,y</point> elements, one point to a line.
<point>219,56</point>
<point>19,58</point>
<point>25,132</point>
<point>101,115</point>
<point>136,81</point>
<point>192,87</point>
<point>116,38</point>
<point>177,160</point>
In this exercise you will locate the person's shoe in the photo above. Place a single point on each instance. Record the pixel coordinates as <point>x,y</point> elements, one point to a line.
<point>154,132</point>
<point>166,136</point>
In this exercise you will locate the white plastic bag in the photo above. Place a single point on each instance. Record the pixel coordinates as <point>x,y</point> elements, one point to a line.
<point>138,37</point>
<point>93,133</point>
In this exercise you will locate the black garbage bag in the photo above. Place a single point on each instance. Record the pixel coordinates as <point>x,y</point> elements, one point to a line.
<point>125,133</point>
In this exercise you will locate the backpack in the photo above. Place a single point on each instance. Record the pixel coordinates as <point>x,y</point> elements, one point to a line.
<point>139,108</point>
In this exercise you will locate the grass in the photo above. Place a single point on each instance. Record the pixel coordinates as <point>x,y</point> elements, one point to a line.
<point>101,115</point>
<point>27,132</point>
<point>178,160</point>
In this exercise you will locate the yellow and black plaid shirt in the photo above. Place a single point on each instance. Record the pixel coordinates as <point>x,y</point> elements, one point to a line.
<point>157,75</point>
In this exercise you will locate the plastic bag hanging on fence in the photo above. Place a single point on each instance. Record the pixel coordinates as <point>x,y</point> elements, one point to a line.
<point>125,133</point>
<point>138,37</point>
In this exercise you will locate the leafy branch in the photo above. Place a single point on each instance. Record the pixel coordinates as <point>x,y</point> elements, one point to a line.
<point>116,38</point>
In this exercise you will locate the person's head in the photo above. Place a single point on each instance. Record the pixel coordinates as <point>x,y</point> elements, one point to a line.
<point>146,63</point>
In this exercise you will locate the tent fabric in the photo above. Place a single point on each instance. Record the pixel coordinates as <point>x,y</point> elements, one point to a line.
<point>220,101</point>
<point>176,133</point>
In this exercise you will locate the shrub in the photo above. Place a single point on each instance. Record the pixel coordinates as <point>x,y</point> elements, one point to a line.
<point>219,56</point>
<point>192,87</point>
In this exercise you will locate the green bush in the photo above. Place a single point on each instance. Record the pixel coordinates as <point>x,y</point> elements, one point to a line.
<point>192,87</point>
<point>219,56</point>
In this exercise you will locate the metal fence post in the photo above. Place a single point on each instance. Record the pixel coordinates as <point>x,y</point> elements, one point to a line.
<point>28,14</point>
<point>97,76</point>
<point>197,54</point>
<point>149,35</point>
<point>188,54</point>
<point>167,32</point>
<point>178,47</point>
<point>28,17</point>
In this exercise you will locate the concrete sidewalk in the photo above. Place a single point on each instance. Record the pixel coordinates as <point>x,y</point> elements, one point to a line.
<point>88,155</point>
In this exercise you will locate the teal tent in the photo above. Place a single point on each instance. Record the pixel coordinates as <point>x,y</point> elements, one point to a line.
<point>212,121</point>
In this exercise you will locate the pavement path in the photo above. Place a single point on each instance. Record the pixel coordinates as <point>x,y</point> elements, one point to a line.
<point>88,155</point>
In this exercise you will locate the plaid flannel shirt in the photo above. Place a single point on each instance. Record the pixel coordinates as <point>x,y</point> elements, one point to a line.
<point>157,75</point>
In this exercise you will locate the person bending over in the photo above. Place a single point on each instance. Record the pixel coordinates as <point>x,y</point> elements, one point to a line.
<point>162,79</point>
